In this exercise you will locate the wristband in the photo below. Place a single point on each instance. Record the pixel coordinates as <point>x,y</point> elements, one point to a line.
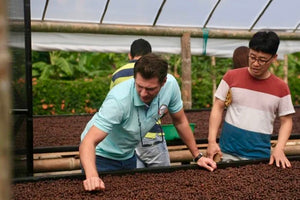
<point>198,157</point>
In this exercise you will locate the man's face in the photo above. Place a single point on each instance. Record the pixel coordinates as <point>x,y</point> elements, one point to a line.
<point>147,89</point>
<point>259,64</point>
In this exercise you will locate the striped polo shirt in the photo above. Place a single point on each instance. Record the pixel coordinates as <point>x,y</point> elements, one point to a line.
<point>122,74</point>
<point>249,119</point>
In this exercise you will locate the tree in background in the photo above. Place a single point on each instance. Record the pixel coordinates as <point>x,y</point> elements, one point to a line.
<point>77,82</point>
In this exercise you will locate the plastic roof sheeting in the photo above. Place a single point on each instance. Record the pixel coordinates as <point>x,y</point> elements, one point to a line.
<point>281,15</point>
<point>121,44</point>
<point>223,15</point>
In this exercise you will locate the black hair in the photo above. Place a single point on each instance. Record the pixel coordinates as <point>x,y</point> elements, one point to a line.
<point>140,47</point>
<point>151,66</point>
<point>265,41</point>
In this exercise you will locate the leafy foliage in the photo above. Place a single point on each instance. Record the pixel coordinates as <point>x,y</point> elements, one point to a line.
<point>294,77</point>
<point>59,65</point>
<point>64,97</point>
<point>72,82</point>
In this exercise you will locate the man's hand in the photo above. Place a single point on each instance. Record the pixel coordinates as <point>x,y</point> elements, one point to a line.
<point>212,150</point>
<point>207,163</point>
<point>280,159</point>
<point>93,183</point>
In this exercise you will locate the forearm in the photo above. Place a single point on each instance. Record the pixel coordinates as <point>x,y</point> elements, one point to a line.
<point>183,127</point>
<point>87,159</point>
<point>87,150</point>
<point>284,131</point>
<point>215,120</point>
<point>185,132</point>
<point>188,138</point>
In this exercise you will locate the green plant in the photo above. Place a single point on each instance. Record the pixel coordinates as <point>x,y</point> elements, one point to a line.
<point>59,65</point>
<point>294,77</point>
<point>72,82</point>
<point>69,97</point>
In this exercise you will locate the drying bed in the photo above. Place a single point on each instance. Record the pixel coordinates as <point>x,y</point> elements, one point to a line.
<point>230,181</point>
<point>66,130</point>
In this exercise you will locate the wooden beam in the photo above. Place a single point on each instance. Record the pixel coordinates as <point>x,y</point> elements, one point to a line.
<point>56,164</point>
<point>64,161</point>
<point>65,27</point>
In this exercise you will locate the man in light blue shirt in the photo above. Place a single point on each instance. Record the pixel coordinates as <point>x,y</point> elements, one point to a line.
<point>152,151</point>
<point>121,112</point>
<point>122,121</point>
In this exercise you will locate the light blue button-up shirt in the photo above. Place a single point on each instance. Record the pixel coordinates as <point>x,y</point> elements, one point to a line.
<point>119,118</point>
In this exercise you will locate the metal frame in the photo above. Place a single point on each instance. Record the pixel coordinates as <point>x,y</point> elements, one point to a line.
<point>28,65</point>
<point>27,112</point>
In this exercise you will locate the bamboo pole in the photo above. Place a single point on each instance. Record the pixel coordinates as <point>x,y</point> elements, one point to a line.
<point>182,147</point>
<point>285,69</point>
<point>55,155</point>
<point>69,161</point>
<point>291,150</point>
<point>55,173</point>
<point>186,89</point>
<point>69,27</point>
<point>213,77</point>
<point>57,164</point>
<point>5,106</point>
<point>292,142</point>
<point>186,156</point>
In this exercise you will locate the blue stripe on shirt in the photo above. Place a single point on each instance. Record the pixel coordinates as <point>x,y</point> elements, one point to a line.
<point>123,73</point>
<point>247,144</point>
<point>156,129</point>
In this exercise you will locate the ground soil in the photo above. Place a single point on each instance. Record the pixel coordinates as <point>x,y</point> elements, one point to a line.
<point>66,130</point>
<point>252,181</point>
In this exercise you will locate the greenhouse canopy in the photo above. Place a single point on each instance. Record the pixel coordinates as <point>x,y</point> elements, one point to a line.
<point>216,26</point>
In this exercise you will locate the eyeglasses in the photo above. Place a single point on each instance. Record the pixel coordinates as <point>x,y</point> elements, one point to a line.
<point>155,127</point>
<point>259,60</point>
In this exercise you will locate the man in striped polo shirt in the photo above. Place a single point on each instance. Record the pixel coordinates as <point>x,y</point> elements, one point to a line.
<point>152,151</point>
<point>257,97</point>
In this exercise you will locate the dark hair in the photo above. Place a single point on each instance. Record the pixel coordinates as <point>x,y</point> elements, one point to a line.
<point>240,57</point>
<point>140,47</point>
<point>151,66</point>
<point>265,41</point>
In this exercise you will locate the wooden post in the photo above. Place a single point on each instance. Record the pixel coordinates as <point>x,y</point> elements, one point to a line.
<point>5,99</point>
<point>285,68</point>
<point>186,89</point>
<point>213,77</point>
